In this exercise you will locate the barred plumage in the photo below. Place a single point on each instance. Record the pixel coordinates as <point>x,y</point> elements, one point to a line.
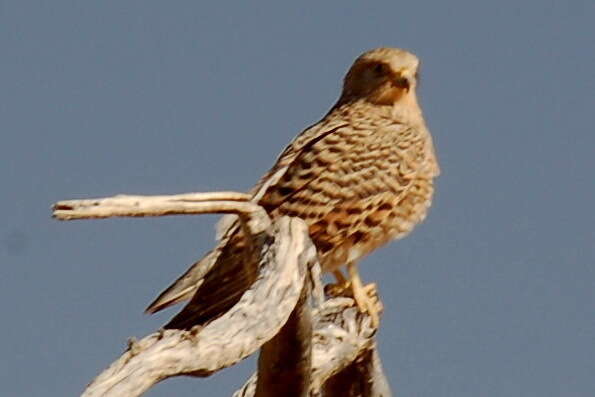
<point>359,178</point>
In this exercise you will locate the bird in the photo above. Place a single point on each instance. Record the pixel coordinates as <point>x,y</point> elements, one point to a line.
<point>360,177</point>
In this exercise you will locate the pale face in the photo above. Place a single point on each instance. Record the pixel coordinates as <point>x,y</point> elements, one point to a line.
<point>382,76</point>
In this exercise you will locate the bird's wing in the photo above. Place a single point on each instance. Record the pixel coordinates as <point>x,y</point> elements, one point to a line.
<point>300,174</point>
<point>186,285</point>
<point>216,282</point>
<point>350,182</point>
<point>305,140</point>
<point>222,286</point>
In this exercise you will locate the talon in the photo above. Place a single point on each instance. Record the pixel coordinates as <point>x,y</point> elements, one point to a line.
<point>371,290</point>
<point>341,288</point>
<point>338,289</point>
<point>365,297</point>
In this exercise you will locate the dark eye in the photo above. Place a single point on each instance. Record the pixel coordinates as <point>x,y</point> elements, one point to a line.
<point>379,68</point>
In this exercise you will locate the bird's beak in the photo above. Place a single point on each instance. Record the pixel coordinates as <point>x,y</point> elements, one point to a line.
<point>402,79</point>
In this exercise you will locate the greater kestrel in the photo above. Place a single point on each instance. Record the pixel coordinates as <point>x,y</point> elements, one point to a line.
<point>360,177</point>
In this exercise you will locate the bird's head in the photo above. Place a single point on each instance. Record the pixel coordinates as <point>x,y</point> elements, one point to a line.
<point>383,76</point>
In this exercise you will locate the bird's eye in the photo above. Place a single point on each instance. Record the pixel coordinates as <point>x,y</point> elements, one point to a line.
<point>379,68</point>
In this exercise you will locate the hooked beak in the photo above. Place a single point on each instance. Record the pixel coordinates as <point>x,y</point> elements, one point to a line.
<point>402,80</point>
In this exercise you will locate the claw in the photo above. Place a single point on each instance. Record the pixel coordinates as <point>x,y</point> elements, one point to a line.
<point>366,297</point>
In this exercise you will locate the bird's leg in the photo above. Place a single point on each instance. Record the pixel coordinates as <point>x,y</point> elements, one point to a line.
<point>365,297</point>
<point>339,276</point>
<point>340,288</point>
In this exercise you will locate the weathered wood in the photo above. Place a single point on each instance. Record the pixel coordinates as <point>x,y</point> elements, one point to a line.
<point>178,204</point>
<point>362,378</point>
<point>285,362</point>
<point>230,338</point>
<point>309,346</point>
<point>341,335</point>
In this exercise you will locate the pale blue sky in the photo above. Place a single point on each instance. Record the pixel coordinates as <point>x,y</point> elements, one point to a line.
<point>493,296</point>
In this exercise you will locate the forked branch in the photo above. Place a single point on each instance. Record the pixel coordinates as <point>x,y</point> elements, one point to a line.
<point>309,346</point>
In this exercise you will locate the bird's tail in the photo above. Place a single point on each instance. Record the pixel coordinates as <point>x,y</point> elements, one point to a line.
<point>185,286</point>
<point>213,284</point>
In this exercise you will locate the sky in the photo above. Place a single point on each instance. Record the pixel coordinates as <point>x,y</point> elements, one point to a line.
<point>494,295</point>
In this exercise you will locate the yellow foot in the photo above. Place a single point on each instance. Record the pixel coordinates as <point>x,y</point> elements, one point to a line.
<point>338,289</point>
<point>367,301</point>
<point>365,296</point>
<point>341,288</point>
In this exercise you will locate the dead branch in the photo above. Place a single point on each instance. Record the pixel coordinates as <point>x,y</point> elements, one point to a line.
<point>309,346</point>
<point>361,378</point>
<point>227,340</point>
<point>340,336</point>
<point>285,361</point>
<point>179,204</point>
